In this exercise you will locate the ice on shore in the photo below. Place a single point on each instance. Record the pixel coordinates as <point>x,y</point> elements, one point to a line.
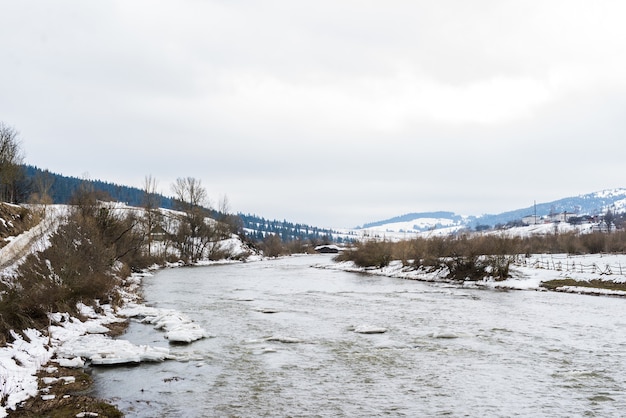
<point>178,328</point>
<point>73,343</point>
<point>186,333</point>
<point>103,350</point>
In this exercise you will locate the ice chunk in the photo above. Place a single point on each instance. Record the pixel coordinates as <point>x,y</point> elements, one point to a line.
<point>185,333</point>
<point>284,340</point>
<point>71,363</point>
<point>178,327</point>
<point>369,329</point>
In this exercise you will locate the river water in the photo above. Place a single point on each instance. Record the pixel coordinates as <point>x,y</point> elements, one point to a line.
<point>284,345</point>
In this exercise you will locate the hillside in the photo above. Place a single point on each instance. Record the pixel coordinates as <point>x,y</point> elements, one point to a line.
<point>420,221</point>
<point>591,204</point>
<point>257,228</point>
<point>61,188</point>
<point>14,220</point>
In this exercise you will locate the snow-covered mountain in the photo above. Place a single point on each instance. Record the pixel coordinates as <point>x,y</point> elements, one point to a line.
<point>418,222</point>
<point>596,203</point>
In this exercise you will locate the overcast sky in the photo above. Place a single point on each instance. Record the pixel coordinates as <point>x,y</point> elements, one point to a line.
<point>331,113</point>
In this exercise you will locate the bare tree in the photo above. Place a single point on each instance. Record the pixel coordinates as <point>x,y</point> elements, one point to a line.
<point>11,159</point>
<point>42,183</point>
<point>609,217</point>
<point>189,192</point>
<point>194,232</point>
<point>152,216</point>
<point>229,223</point>
<point>150,199</point>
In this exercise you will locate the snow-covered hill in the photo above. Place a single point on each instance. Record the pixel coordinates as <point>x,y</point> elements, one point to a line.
<point>439,223</point>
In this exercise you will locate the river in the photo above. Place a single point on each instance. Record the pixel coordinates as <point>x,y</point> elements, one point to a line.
<point>284,344</point>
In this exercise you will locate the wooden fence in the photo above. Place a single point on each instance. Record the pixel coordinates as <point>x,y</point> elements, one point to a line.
<point>570,265</point>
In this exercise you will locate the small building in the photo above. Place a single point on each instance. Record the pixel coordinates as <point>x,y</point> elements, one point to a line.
<point>561,216</point>
<point>158,233</point>
<point>327,249</point>
<point>531,220</point>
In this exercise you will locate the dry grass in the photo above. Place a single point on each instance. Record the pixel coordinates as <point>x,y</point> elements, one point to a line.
<point>594,284</point>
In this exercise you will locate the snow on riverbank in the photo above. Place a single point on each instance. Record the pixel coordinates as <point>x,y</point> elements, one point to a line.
<point>19,362</point>
<point>528,273</point>
<point>74,343</point>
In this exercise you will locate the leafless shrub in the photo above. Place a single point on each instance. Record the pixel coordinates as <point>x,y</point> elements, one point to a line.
<point>87,255</point>
<point>468,257</point>
<point>272,246</point>
<point>369,254</point>
<point>594,243</point>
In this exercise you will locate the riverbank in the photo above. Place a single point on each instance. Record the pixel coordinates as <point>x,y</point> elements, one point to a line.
<point>40,368</point>
<point>37,381</point>
<point>62,391</point>
<point>593,274</point>
<point>61,394</point>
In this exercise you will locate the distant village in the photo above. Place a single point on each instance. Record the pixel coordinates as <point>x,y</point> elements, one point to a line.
<point>599,223</point>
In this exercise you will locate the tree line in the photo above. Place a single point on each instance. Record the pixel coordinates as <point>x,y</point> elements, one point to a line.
<point>23,183</point>
<point>40,184</point>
